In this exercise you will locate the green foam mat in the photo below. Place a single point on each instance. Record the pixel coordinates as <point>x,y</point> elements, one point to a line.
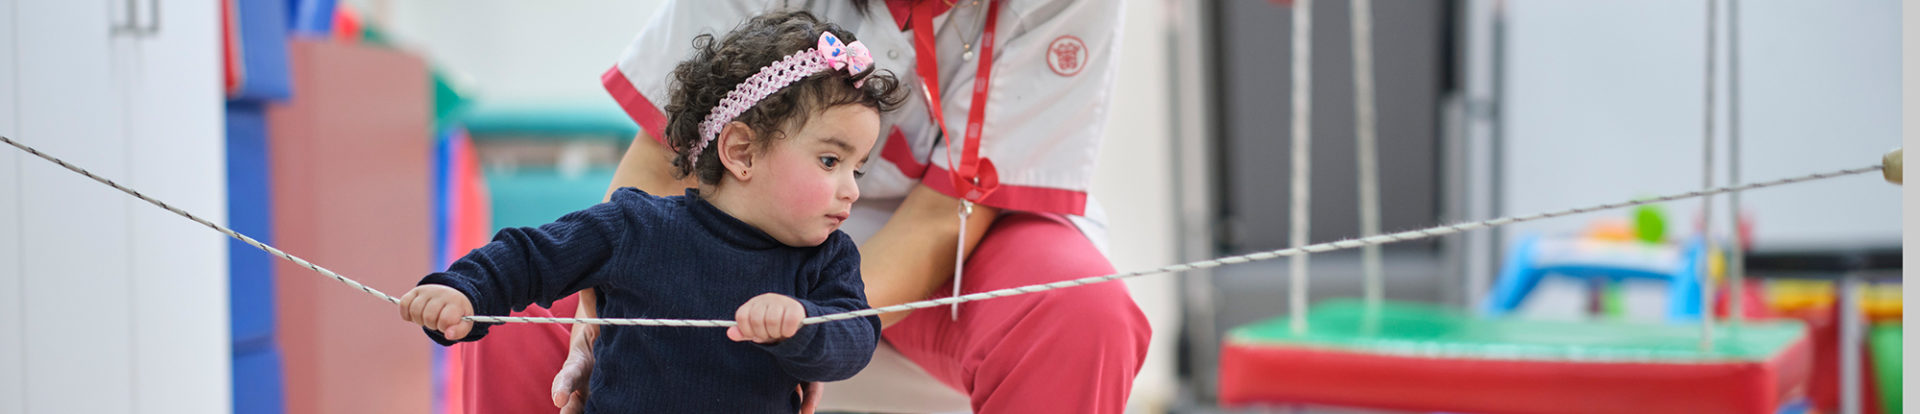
<point>1408,329</point>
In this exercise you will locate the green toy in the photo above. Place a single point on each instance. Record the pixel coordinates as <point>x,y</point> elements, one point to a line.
<point>1650,224</point>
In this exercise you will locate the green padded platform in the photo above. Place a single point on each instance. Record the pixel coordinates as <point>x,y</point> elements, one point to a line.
<point>1417,330</point>
<point>539,196</point>
<point>574,121</point>
<point>535,195</point>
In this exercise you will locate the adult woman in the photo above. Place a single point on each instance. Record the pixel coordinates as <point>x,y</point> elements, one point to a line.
<point>1020,88</point>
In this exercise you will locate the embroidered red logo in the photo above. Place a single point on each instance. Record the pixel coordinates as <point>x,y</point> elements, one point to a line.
<point>1067,55</point>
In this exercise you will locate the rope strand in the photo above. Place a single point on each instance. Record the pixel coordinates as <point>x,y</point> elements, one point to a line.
<point>1182,267</point>
<point>1207,264</point>
<point>222,229</point>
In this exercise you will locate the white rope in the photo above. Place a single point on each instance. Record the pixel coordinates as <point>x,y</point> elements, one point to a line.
<point>1302,99</point>
<point>960,254</point>
<point>1204,264</point>
<point>229,232</point>
<point>1363,113</point>
<point>1706,203</point>
<point>1208,264</point>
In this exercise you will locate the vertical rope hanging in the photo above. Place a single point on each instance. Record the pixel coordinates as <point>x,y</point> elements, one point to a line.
<point>1706,177</point>
<point>1737,252</point>
<point>1297,225</point>
<point>1364,128</point>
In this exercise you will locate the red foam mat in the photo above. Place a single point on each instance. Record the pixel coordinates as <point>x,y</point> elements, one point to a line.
<point>1274,374</point>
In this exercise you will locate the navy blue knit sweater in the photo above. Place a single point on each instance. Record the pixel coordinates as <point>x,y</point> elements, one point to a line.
<point>680,258</point>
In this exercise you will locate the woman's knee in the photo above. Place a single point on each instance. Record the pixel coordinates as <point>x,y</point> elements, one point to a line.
<point>1028,249</point>
<point>1102,315</point>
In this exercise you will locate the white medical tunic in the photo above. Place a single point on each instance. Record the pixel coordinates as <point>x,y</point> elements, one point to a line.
<point>1053,74</point>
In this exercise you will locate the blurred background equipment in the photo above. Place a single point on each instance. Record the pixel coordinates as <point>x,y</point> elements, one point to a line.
<point>311,124</point>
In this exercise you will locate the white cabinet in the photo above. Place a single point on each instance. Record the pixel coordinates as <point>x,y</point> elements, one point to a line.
<point>108,304</point>
<point>12,326</point>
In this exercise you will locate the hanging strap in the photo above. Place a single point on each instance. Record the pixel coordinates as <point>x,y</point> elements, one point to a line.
<point>974,178</point>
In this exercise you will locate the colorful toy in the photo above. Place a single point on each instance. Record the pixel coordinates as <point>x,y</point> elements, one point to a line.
<point>1650,224</point>
<point>1534,258</point>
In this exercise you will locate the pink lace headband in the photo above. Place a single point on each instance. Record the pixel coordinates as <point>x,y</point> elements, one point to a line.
<point>831,54</point>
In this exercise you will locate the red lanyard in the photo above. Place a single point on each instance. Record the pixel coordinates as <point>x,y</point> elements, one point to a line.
<point>973,178</point>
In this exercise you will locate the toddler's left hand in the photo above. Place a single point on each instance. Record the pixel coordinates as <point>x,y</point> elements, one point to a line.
<point>767,319</point>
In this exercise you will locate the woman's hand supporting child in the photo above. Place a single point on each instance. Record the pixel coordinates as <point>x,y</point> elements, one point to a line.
<point>439,308</point>
<point>767,319</point>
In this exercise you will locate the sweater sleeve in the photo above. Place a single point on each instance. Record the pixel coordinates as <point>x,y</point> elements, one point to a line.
<point>528,265</point>
<point>835,350</point>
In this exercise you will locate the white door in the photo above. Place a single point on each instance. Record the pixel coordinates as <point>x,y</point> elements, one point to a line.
<point>107,304</point>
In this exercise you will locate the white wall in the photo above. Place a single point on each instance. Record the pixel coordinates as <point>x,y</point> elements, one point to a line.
<point>175,137</point>
<point>111,305</point>
<point>13,345</point>
<point>1604,102</point>
<point>514,49</point>
<point>1134,181</point>
<point>557,50</point>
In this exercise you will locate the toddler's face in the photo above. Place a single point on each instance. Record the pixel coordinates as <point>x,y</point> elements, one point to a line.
<point>809,187</point>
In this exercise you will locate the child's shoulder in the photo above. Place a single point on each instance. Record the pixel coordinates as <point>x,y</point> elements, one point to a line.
<point>630,198</point>
<point>636,194</point>
<point>633,192</point>
<point>839,244</point>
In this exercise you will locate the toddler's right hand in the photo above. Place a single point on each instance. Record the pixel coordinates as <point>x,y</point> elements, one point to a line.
<point>767,319</point>
<point>439,308</point>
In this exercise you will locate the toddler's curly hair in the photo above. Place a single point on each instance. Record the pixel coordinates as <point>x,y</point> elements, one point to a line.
<point>717,67</point>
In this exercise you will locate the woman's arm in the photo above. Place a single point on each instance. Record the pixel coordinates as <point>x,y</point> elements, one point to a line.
<point>648,165</point>
<point>913,253</point>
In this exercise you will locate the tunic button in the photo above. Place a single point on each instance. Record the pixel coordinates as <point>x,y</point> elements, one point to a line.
<point>893,53</point>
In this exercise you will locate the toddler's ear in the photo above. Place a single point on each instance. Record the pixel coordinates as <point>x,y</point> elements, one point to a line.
<point>736,150</point>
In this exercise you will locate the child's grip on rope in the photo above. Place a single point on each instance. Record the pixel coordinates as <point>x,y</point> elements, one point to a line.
<point>767,319</point>
<point>439,308</point>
